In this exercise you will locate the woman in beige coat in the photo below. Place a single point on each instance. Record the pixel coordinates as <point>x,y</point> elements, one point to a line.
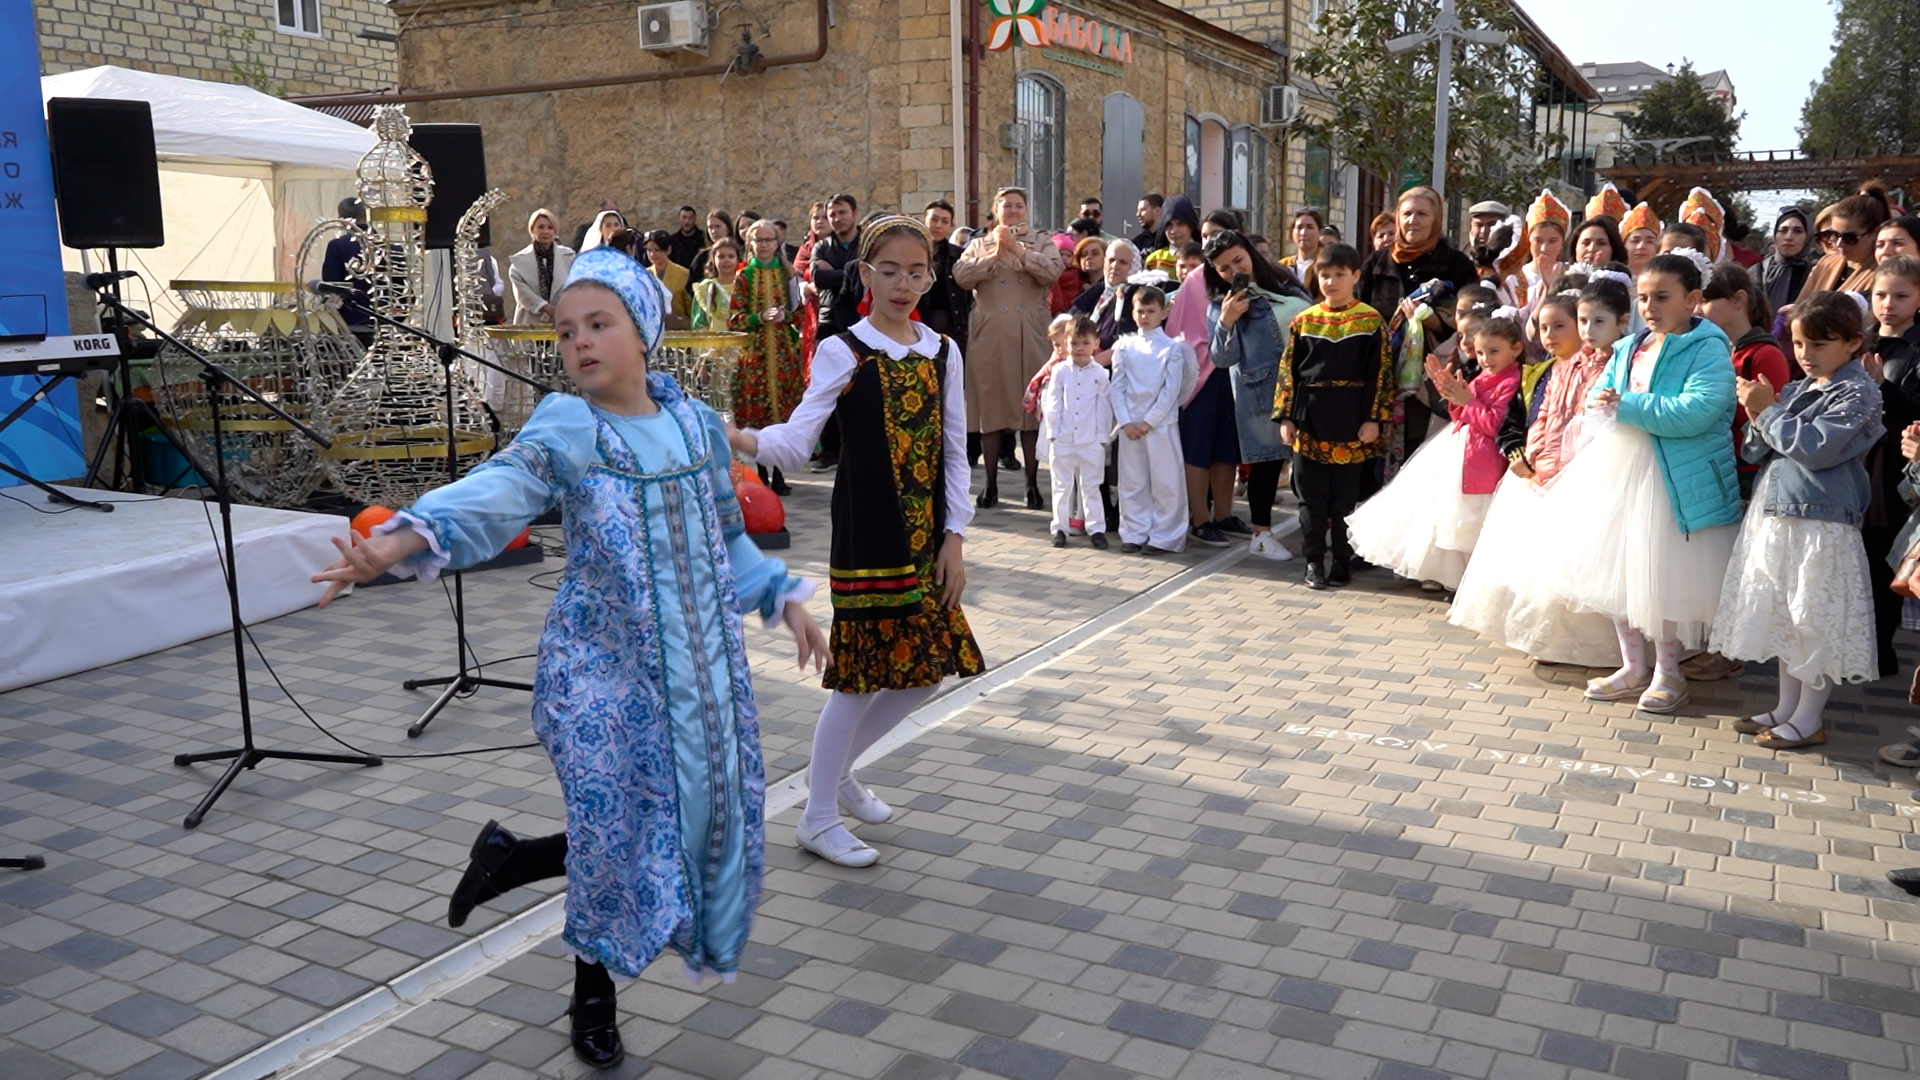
<point>1009,270</point>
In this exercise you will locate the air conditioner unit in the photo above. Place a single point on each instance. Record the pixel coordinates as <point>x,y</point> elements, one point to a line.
<point>678,25</point>
<point>1279,106</point>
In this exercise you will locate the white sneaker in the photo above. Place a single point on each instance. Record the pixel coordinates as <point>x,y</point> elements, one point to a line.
<point>862,803</point>
<point>1267,546</point>
<point>836,845</point>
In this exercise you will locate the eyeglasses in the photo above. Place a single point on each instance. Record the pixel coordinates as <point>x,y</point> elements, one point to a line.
<point>890,277</point>
<point>1831,236</point>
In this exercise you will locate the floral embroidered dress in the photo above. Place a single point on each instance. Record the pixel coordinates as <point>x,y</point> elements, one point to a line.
<point>770,378</point>
<point>641,695</point>
<point>901,486</point>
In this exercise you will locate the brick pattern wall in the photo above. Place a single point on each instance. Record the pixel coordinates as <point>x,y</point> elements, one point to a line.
<point>177,37</point>
<point>1283,25</point>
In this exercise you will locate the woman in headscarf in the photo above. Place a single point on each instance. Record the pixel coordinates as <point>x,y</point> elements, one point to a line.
<point>1419,253</point>
<point>1009,271</point>
<point>606,225</point>
<point>538,270</point>
<point>1784,271</point>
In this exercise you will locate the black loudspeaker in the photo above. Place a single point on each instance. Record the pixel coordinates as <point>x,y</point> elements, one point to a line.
<point>106,174</point>
<point>459,162</point>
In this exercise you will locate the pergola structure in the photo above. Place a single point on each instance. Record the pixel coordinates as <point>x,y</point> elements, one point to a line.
<point>1664,184</point>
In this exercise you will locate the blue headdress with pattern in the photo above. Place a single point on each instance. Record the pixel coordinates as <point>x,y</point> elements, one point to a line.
<point>647,300</point>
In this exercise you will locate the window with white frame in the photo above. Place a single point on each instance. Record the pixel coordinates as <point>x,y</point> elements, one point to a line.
<point>1040,160</point>
<point>300,16</point>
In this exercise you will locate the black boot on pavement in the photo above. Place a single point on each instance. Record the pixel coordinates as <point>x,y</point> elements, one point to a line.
<point>1316,575</point>
<point>595,1010</point>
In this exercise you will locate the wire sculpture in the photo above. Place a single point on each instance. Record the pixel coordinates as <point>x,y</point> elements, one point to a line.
<point>389,419</point>
<point>532,351</point>
<point>287,352</point>
<point>702,362</point>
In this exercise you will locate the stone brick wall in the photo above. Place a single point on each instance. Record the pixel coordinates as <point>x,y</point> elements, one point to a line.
<point>1283,25</point>
<point>179,37</point>
<point>873,118</point>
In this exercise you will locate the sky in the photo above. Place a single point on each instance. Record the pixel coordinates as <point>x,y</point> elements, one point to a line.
<point>1770,79</point>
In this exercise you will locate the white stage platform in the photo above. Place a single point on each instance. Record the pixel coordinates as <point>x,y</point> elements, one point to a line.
<point>83,588</point>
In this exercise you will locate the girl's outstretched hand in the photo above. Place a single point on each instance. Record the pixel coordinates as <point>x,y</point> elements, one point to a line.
<point>808,635</point>
<point>948,571</point>
<point>366,559</point>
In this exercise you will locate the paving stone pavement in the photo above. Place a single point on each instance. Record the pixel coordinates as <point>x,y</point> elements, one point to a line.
<point>1256,831</point>
<point>146,950</point>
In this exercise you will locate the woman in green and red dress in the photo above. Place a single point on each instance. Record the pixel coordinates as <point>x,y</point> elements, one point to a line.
<point>771,375</point>
<point>900,514</point>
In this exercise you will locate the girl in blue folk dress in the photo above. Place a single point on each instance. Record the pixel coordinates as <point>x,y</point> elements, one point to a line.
<point>642,695</point>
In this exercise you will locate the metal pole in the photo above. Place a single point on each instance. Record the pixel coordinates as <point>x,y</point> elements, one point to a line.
<point>1443,90</point>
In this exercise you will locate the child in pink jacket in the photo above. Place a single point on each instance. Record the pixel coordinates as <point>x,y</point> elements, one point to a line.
<point>1424,524</point>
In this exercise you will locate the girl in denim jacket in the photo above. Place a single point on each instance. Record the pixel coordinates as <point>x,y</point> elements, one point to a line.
<point>1798,586</point>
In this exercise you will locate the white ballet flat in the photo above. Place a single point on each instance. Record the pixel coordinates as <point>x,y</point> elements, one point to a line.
<point>863,804</point>
<point>836,845</point>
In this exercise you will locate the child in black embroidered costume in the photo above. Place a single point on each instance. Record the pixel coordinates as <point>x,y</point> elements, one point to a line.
<point>900,513</point>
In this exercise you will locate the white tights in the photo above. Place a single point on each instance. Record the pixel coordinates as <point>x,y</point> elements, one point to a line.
<point>1799,713</point>
<point>848,727</point>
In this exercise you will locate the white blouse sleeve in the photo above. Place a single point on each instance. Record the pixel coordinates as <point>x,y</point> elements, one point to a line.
<point>787,446</point>
<point>953,429</point>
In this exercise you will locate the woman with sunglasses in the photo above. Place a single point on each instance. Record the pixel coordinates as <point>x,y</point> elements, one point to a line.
<point>1850,232</point>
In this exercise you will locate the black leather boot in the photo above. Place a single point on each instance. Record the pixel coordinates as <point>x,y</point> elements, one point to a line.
<point>595,1012</point>
<point>501,861</point>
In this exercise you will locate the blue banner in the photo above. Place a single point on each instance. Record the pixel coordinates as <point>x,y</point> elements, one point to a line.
<point>44,443</point>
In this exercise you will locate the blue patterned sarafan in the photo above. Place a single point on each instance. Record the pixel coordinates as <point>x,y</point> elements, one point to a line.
<point>642,694</point>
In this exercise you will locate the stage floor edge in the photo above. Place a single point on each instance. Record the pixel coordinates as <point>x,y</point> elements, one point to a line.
<point>81,589</point>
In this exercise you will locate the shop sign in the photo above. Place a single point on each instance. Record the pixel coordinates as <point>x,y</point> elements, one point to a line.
<point>1038,24</point>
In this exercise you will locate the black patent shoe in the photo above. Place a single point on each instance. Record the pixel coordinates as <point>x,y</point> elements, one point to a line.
<point>1034,501</point>
<point>988,499</point>
<point>1341,575</point>
<point>490,852</point>
<point>596,1034</point>
<point>1907,878</point>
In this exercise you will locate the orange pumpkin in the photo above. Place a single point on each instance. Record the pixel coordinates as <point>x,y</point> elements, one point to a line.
<point>365,520</point>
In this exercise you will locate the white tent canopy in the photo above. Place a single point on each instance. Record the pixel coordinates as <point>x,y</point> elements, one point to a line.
<point>243,175</point>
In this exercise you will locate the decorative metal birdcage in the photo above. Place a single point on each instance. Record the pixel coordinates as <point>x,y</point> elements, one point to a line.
<point>389,420</point>
<point>532,351</point>
<point>703,363</point>
<point>253,330</point>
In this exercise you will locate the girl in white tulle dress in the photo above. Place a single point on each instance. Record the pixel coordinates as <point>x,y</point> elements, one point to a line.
<point>1798,587</point>
<point>1425,523</point>
<point>1639,527</point>
<point>1499,597</point>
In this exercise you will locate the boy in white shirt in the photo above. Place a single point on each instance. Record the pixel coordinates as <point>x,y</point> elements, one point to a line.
<point>1148,371</point>
<point>1078,408</point>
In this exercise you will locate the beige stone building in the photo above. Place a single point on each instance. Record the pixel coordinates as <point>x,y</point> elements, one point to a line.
<point>281,46</point>
<point>1116,98</point>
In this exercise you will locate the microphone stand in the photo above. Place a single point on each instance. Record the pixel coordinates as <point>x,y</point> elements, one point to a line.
<point>464,680</point>
<point>247,755</point>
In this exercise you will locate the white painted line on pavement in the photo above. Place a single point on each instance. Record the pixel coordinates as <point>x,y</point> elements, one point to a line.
<point>324,1036</point>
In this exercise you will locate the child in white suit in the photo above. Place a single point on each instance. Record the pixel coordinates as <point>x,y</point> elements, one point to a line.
<point>1149,369</point>
<point>1078,408</point>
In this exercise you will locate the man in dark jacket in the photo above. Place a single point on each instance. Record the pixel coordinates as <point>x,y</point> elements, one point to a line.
<point>836,280</point>
<point>351,290</point>
<point>946,307</point>
<point>684,244</point>
<point>1149,238</point>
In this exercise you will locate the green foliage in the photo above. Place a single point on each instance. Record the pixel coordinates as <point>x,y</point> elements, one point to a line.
<point>1383,105</point>
<point>1868,99</point>
<point>1681,108</point>
<point>247,68</point>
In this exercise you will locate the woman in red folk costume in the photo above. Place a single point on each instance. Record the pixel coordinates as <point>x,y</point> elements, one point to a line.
<point>771,375</point>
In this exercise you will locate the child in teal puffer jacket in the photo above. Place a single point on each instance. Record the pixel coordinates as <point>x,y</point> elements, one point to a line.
<point>1644,519</point>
